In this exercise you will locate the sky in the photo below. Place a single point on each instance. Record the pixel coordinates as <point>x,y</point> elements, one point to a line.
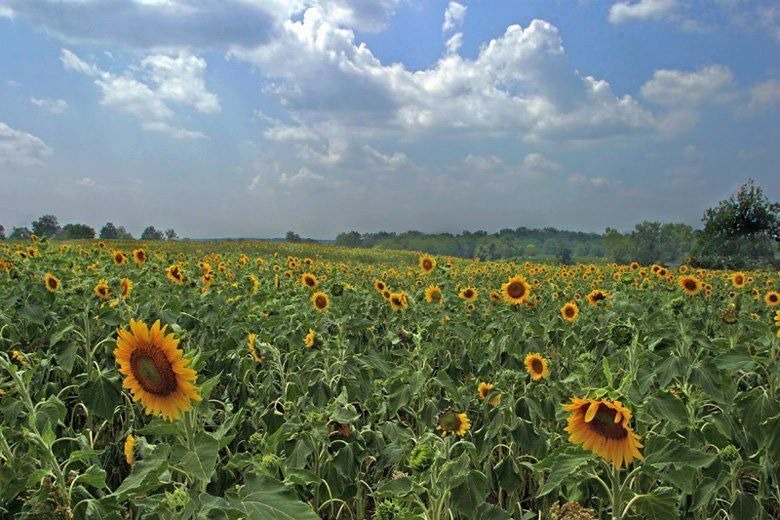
<point>248,118</point>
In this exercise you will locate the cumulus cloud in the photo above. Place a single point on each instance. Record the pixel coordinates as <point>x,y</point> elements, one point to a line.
<point>18,148</point>
<point>390,162</point>
<point>622,12</point>
<point>173,131</point>
<point>482,163</point>
<point>712,84</point>
<point>580,180</point>
<point>453,16</point>
<point>55,106</point>
<point>764,95</point>
<point>537,166</point>
<point>454,44</point>
<point>301,176</point>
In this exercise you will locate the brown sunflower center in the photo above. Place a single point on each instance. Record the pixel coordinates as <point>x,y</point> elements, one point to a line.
<point>690,284</point>
<point>773,298</point>
<point>427,265</point>
<point>52,283</point>
<point>516,289</point>
<point>569,311</point>
<point>537,366</point>
<point>153,371</point>
<point>450,422</point>
<point>320,302</point>
<point>310,281</point>
<point>469,293</point>
<point>603,424</point>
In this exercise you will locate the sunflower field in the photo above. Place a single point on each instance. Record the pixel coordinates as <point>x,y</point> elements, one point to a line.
<point>248,380</point>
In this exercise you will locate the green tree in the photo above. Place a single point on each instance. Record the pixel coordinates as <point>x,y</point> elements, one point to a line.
<point>170,234</point>
<point>76,232</point>
<point>152,233</point>
<point>46,226</point>
<point>20,233</point>
<point>2,232</point>
<point>351,239</point>
<point>109,231</point>
<point>292,236</point>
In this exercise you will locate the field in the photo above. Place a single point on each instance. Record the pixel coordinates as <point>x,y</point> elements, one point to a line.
<point>300,381</point>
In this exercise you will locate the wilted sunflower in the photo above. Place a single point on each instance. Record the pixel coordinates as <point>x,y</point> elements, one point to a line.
<point>310,340</point>
<point>126,287</point>
<point>536,365</point>
<point>469,294</point>
<point>130,449</point>
<point>155,370</point>
<point>738,279</point>
<point>309,280</point>
<point>320,301</point>
<point>772,298</point>
<point>102,290</point>
<point>250,344</point>
<point>690,284</point>
<point>570,311</point>
<point>119,258</point>
<point>601,426</point>
<point>453,423</point>
<point>427,263</point>
<point>516,290</point>
<point>139,256</point>
<point>433,294</point>
<point>52,282</point>
<point>174,274</point>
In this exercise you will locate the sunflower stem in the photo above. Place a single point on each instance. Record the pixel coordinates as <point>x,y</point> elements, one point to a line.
<point>616,492</point>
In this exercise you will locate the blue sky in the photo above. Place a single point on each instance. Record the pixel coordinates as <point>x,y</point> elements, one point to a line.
<point>252,117</point>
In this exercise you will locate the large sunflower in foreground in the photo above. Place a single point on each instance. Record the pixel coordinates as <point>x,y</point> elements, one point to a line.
<point>690,284</point>
<point>516,290</point>
<point>453,423</point>
<point>155,371</point>
<point>601,426</point>
<point>536,365</point>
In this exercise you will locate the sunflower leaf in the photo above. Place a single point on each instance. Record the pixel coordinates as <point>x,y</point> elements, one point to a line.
<point>263,498</point>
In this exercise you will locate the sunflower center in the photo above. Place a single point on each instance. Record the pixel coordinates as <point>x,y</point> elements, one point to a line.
<point>690,285</point>
<point>468,293</point>
<point>773,298</point>
<point>603,423</point>
<point>153,371</point>
<point>320,302</point>
<point>427,265</point>
<point>52,283</point>
<point>569,311</point>
<point>450,421</point>
<point>537,366</point>
<point>516,289</point>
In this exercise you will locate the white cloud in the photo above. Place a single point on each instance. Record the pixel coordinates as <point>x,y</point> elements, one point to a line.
<point>6,12</point>
<point>18,148</point>
<point>482,163</point>
<point>453,16</point>
<point>55,106</point>
<point>180,79</point>
<point>86,182</point>
<point>303,175</point>
<point>764,95</point>
<point>173,131</point>
<point>621,12</point>
<point>712,84</point>
<point>454,44</point>
<point>392,162</point>
<point>580,180</point>
<point>537,166</point>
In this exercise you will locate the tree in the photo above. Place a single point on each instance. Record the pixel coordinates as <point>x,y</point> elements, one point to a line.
<point>109,231</point>
<point>18,233</point>
<point>351,239</point>
<point>2,232</point>
<point>292,237</point>
<point>76,232</point>
<point>46,226</point>
<point>742,231</point>
<point>150,233</point>
<point>170,234</point>
<point>563,255</point>
<point>123,234</point>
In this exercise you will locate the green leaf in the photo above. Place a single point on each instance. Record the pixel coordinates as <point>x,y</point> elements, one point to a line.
<point>95,476</point>
<point>468,496</point>
<point>200,462</point>
<point>145,475</point>
<point>66,356</point>
<point>674,452</point>
<point>737,359</point>
<point>101,396</point>
<point>745,506</point>
<point>398,487</point>
<point>263,498</point>
<point>561,464</point>
<point>49,413</point>
<point>661,503</point>
<point>665,405</point>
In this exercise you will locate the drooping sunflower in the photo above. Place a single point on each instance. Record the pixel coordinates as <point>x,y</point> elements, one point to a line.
<point>433,294</point>
<point>427,263</point>
<point>119,258</point>
<point>139,256</point>
<point>310,340</point>
<point>174,274</point>
<point>738,280</point>
<point>772,298</point>
<point>126,287</point>
<point>250,344</point>
<point>484,390</point>
<point>453,423</point>
<point>516,290</point>
<point>536,366</point>
<point>156,373</point>
<point>52,282</point>
<point>595,296</point>
<point>690,284</point>
<point>469,294</point>
<point>320,301</point>
<point>102,290</point>
<point>570,311</point>
<point>130,449</point>
<point>309,280</point>
<point>602,426</point>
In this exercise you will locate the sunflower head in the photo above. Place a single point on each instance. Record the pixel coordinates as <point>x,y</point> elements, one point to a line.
<point>433,294</point>
<point>597,295</point>
<point>379,285</point>
<point>453,423</point>
<point>690,284</point>
<point>126,287</point>
<point>427,263</point>
<point>310,340</point>
<point>102,290</point>
<point>738,280</point>
<point>320,301</point>
<point>139,256</point>
<point>772,298</point>
<point>602,426</point>
<point>398,300</point>
<point>516,290</point>
<point>119,258</point>
<point>250,344</point>
<point>52,282</point>
<point>536,366</point>
<point>174,274</point>
<point>483,389</point>
<point>155,371</point>
<point>469,294</point>
<point>130,449</point>
<point>570,311</point>
<point>309,280</point>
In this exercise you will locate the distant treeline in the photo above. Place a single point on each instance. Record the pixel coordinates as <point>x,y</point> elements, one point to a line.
<point>48,226</point>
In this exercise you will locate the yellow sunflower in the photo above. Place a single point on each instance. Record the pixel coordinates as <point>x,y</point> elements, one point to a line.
<point>380,286</point>
<point>398,300</point>
<point>119,258</point>
<point>427,263</point>
<point>516,290</point>
<point>320,301</point>
<point>469,294</point>
<point>139,256</point>
<point>597,295</point>
<point>433,294</point>
<point>310,340</point>
<point>772,298</point>
<point>52,282</point>
<point>453,423</point>
<point>250,344</point>
<point>570,311</point>
<point>126,287</point>
<point>156,373</point>
<point>102,290</point>
<point>690,284</point>
<point>536,365</point>
<point>130,449</point>
<point>601,426</point>
<point>738,280</point>
<point>309,280</point>
<point>174,274</point>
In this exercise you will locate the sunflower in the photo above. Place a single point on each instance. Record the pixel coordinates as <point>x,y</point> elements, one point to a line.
<point>738,279</point>
<point>309,280</point>
<point>570,311</point>
<point>130,449</point>
<point>597,295</point>
<point>126,287</point>
<point>174,274</point>
<point>772,298</point>
<point>119,258</point>
<point>155,371</point>
<point>250,344</point>
<point>484,389</point>
<point>433,294</point>
<point>469,294</point>
<point>453,423</point>
<point>427,263</point>
<point>52,282</point>
<point>139,256</point>
<point>102,290</point>
<point>320,301</point>
<point>536,365</point>
<point>398,300</point>
<point>310,340</point>
<point>690,284</point>
<point>516,290</point>
<point>601,426</point>
<point>379,285</point>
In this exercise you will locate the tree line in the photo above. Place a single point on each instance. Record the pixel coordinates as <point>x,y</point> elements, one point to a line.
<point>48,226</point>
